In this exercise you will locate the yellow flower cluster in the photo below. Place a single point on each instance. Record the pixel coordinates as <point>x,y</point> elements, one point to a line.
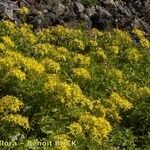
<point>93,43</point>
<point>32,64</point>
<point>18,74</point>
<point>17,119</point>
<point>144,91</point>
<point>70,94</point>
<point>62,50</point>
<point>30,38</point>
<point>96,33</point>
<point>8,41</point>
<point>82,73</point>
<point>64,142</point>
<point>122,36</point>
<point>50,65</point>
<point>133,54</point>
<point>138,32</point>
<point>98,128</point>
<point>76,129</point>
<point>145,42</point>
<point>81,59</point>
<point>78,44</point>
<point>24,10</point>
<point>2,46</point>
<point>10,103</point>
<point>24,28</point>
<point>65,32</point>
<point>119,101</point>
<point>9,25</point>
<point>52,83</point>
<point>42,49</point>
<point>100,54</point>
<point>114,49</point>
<point>116,73</point>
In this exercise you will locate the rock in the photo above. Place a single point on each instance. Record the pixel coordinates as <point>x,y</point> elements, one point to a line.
<point>29,2</point>
<point>103,11</point>
<point>90,11</point>
<point>136,23</point>
<point>78,7</point>
<point>146,27</point>
<point>101,22</point>
<point>2,8</point>
<point>86,21</point>
<point>9,8</point>
<point>51,19</point>
<point>60,9</point>
<point>124,10</point>
<point>69,15</point>
<point>110,2</point>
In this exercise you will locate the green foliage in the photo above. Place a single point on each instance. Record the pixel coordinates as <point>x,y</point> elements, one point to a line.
<point>63,84</point>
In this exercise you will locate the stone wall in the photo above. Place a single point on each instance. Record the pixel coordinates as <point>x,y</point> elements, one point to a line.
<point>102,14</point>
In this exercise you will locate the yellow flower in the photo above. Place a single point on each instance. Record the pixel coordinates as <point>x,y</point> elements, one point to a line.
<point>97,128</point>
<point>93,43</point>
<point>9,24</point>
<point>18,74</point>
<point>78,44</point>
<point>122,36</point>
<point>52,83</point>
<point>32,64</point>
<point>116,73</point>
<point>24,10</point>
<point>76,129</point>
<point>81,73</point>
<point>100,54</point>
<point>133,54</point>
<point>2,46</point>
<point>17,119</point>
<point>31,38</point>
<point>138,32</point>
<point>123,103</point>
<point>96,33</point>
<point>115,49</point>
<point>144,91</point>
<point>64,142</point>
<point>81,59</point>
<point>10,103</point>
<point>7,41</point>
<point>42,49</point>
<point>145,42</point>
<point>51,65</point>
<point>62,50</point>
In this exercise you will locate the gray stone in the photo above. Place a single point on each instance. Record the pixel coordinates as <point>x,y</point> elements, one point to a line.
<point>124,10</point>
<point>60,9</point>
<point>110,2</point>
<point>9,8</point>
<point>103,11</point>
<point>90,11</point>
<point>86,21</point>
<point>69,14</point>
<point>78,7</point>
<point>2,8</point>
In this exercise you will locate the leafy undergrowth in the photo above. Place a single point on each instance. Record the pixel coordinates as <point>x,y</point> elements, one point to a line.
<point>81,90</point>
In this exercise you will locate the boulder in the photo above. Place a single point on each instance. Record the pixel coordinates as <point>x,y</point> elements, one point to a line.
<point>78,7</point>
<point>90,11</point>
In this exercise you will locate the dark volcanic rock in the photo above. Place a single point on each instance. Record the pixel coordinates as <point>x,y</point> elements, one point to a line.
<point>105,14</point>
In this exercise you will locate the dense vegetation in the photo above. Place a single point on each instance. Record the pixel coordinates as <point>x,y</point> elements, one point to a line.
<point>64,84</point>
